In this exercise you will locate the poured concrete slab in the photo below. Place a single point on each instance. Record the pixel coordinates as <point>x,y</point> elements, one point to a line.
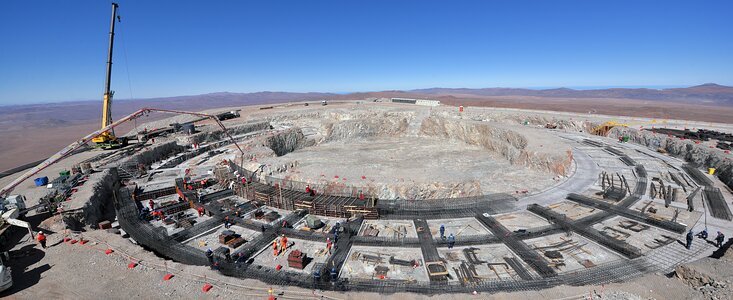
<point>250,216</point>
<point>389,228</point>
<point>211,239</point>
<point>494,265</point>
<point>328,223</point>
<point>161,201</point>
<point>189,213</point>
<point>363,261</point>
<point>577,252</point>
<point>683,215</point>
<point>521,220</point>
<point>572,210</point>
<point>639,235</point>
<point>458,227</point>
<point>314,251</point>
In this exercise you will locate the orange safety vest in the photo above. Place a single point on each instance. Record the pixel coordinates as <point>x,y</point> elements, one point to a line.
<point>41,237</point>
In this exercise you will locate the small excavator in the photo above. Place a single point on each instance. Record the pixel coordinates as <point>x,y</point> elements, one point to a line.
<point>108,139</point>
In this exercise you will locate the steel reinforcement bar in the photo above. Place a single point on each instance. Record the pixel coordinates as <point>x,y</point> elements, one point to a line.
<point>697,175</point>
<point>628,213</point>
<point>718,208</point>
<point>586,231</point>
<point>158,241</point>
<point>539,264</point>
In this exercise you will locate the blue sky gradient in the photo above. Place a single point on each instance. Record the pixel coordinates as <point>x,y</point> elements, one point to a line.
<point>56,50</point>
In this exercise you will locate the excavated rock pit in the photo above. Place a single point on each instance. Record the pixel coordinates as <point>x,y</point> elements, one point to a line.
<point>698,154</point>
<point>408,153</point>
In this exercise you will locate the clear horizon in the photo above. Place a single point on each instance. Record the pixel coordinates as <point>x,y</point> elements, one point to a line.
<point>56,51</point>
<point>580,88</point>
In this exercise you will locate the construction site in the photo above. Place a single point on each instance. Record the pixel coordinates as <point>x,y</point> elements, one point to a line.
<point>317,197</point>
<point>361,198</point>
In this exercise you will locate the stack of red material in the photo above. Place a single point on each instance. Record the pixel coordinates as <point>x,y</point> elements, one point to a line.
<point>296,259</point>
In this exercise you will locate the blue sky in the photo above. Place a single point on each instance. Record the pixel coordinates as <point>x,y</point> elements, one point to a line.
<point>56,50</point>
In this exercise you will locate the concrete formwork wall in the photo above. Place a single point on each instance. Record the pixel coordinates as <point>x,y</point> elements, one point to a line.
<point>217,135</point>
<point>152,154</point>
<point>97,198</point>
<point>698,154</point>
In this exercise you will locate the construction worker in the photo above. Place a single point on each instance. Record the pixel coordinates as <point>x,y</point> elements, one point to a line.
<point>334,274</point>
<point>328,245</point>
<point>41,239</point>
<point>240,259</point>
<point>274,248</point>
<point>719,239</point>
<point>690,236</point>
<point>210,256</point>
<point>451,241</point>
<point>227,224</point>
<point>308,189</point>
<point>144,214</point>
<point>317,275</point>
<point>283,243</point>
<point>703,234</point>
<point>152,204</point>
<point>442,231</point>
<point>201,211</point>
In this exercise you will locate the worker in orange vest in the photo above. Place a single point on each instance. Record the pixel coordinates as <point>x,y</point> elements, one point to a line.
<point>41,239</point>
<point>283,243</point>
<point>274,248</point>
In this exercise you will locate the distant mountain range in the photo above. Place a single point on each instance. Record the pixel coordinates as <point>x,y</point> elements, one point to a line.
<point>68,113</point>
<point>708,93</point>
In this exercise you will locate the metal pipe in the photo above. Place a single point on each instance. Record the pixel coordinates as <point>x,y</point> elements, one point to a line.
<point>83,141</point>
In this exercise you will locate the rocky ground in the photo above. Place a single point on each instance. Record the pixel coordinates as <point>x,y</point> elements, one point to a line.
<point>408,152</point>
<point>66,271</point>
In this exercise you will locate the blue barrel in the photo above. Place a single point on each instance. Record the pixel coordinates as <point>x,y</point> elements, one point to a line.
<point>41,181</point>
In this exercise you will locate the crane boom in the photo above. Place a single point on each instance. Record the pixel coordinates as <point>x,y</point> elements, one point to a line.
<point>108,139</point>
<point>107,112</point>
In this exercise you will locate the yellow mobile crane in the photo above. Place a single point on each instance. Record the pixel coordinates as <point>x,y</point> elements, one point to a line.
<point>108,140</point>
<point>604,128</point>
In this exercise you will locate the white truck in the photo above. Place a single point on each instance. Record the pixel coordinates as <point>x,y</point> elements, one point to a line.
<point>11,209</point>
<point>6,278</point>
<point>13,201</point>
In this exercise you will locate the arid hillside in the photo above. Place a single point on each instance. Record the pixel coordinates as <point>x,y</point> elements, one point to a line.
<point>33,132</point>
